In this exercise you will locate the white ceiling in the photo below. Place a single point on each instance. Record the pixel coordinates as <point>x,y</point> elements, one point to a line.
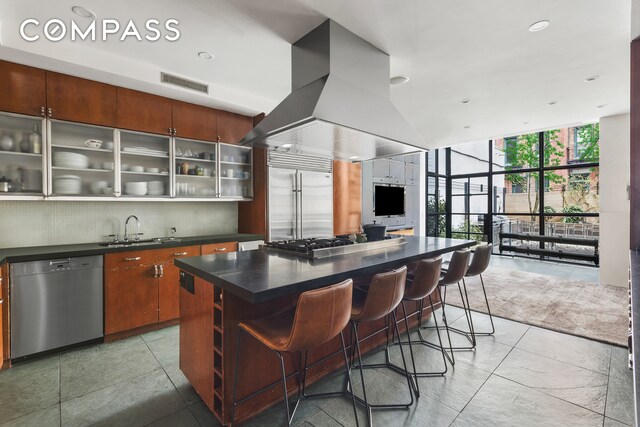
<point>451,50</point>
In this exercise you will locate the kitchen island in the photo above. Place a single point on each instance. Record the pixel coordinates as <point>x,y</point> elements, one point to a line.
<point>218,291</point>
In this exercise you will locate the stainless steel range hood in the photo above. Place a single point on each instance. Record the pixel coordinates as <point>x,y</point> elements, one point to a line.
<point>339,106</point>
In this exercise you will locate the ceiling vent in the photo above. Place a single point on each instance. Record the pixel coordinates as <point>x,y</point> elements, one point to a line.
<point>187,84</point>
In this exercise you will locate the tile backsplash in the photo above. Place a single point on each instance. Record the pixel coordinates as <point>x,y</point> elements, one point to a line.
<point>40,223</point>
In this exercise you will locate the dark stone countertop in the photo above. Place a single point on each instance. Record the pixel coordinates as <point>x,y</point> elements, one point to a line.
<point>260,275</point>
<point>634,259</point>
<point>35,253</point>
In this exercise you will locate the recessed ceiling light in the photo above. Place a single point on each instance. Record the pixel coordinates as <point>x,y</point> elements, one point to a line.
<point>601,106</point>
<point>465,101</point>
<point>398,80</point>
<point>525,123</point>
<point>84,12</point>
<point>467,127</point>
<point>205,55</point>
<point>591,78</point>
<point>539,26</point>
<point>354,157</point>
<point>286,145</point>
<point>552,103</point>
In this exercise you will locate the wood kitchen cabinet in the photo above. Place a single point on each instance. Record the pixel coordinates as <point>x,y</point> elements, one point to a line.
<point>143,287</point>
<point>130,290</point>
<point>143,112</point>
<point>80,100</point>
<point>233,127</point>
<point>23,89</point>
<point>347,197</point>
<point>131,298</point>
<point>195,121</point>
<point>218,248</point>
<point>169,281</point>
<point>1,323</point>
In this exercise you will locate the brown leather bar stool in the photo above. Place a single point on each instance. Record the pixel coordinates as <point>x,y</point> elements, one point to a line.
<point>454,276</point>
<point>319,316</point>
<point>479,264</point>
<point>380,302</point>
<point>419,287</point>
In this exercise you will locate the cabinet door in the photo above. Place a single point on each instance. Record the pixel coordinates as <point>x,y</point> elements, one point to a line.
<point>79,100</point>
<point>233,127</point>
<point>143,112</point>
<point>396,172</point>
<point>169,283</point>
<point>23,89</point>
<point>381,170</point>
<point>412,173</point>
<point>195,121</point>
<point>131,298</point>
<point>219,248</point>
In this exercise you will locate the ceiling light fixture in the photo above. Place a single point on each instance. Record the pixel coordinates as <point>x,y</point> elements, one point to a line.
<point>467,127</point>
<point>83,12</point>
<point>552,103</point>
<point>354,157</point>
<point>465,101</point>
<point>591,78</point>
<point>525,123</point>
<point>601,106</point>
<point>286,145</point>
<point>398,80</point>
<point>539,26</point>
<point>205,55</point>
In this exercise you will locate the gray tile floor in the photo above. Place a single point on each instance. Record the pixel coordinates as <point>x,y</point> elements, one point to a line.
<point>522,376</point>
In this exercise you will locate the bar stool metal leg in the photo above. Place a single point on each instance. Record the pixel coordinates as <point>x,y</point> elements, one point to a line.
<point>450,356</point>
<point>486,300</point>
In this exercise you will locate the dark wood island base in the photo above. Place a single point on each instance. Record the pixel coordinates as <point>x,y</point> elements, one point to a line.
<point>210,311</point>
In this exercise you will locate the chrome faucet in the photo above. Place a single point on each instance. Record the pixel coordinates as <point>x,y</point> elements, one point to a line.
<point>126,224</point>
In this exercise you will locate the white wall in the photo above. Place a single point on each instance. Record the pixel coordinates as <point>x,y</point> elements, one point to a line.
<point>614,201</point>
<point>38,223</point>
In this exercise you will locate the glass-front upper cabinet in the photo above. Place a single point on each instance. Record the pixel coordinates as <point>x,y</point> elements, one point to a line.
<point>144,165</point>
<point>235,171</point>
<point>195,168</point>
<point>82,160</point>
<point>21,159</point>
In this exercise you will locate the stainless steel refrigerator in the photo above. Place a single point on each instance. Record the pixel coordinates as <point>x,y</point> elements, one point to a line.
<point>300,204</point>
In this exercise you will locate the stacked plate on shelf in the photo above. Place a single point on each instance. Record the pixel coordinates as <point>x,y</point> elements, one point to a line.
<point>145,151</point>
<point>135,188</point>
<point>66,159</point>
<point>155,188</point>
<point>67,184</point>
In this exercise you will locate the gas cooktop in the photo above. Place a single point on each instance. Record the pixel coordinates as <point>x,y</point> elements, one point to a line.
<point>322,248</point>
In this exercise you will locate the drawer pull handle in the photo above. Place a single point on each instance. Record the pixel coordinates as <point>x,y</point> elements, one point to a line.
<point>220,249</point>
<point>180,253</point>
<point>136,258</point>
<point>156,273</point>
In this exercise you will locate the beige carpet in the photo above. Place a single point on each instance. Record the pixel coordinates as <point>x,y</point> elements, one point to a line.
<point>589,310</point>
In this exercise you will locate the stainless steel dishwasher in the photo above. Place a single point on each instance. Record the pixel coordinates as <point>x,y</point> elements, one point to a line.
<point>55,303</point>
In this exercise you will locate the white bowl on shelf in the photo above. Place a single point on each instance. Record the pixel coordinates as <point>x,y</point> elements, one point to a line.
<point>124,167</point>
<point>136,168</point>
<point>107,165</point>
<point>93,143</point>
<point>152,170</point>
<point>98,186</point>
<point>107,190</point>
<point>135,188</point>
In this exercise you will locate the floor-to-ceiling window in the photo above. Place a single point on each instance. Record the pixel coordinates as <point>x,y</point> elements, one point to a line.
<point>543,183</point>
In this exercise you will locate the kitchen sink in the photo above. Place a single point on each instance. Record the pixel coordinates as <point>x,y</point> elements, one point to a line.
<point>146,242</point>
